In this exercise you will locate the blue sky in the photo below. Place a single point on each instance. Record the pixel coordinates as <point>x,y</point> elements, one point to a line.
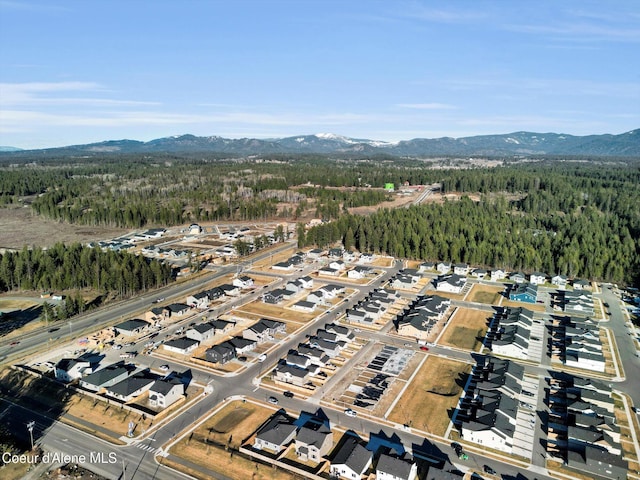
<point>75,72</point>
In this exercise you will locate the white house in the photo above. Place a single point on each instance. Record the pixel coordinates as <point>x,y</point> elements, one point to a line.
<point>559,281</point>
<point>537,278</point>
<point>394,468</point>
<point>164,393</point>
<point>498,274</point>
<point>243,282</point>
<point>182,345</point>
<point>443,267</point>
<point>461,269</point>
<point>68,369</point>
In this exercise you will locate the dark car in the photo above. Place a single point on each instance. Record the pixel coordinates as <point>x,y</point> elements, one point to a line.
<point>489,470</point>
<point>288,394</point>
<point>54,329</point>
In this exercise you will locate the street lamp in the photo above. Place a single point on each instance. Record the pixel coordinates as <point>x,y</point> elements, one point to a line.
<point>30,428</point>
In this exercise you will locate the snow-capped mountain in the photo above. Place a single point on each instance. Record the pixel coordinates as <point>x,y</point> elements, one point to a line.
<point>516,143</point>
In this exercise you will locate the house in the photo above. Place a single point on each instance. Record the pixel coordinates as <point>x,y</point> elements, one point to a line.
<point>221,353</point>
<point>106,377</point>
<point>164,393</point>
<point>230,290</point>
<point>426,267</point>
<point>443,267</point>
<point>287,373</point>
<point>337,265</point>
<point>342,334</point>
<point>517,277</point>
<point>69,369</point>
<point>275,434</point>
<point>451,283</point>
<point>404,281</point>
<point>307,282</point>
<point>498,274</point>
<point>331,290</point>
<point>349,256</point>
<point>537,278</point>
<point>461,269</point>
<point>351,460</point>
<point>359,272</point>
<point>366,258</point>
<point>215,293</point>
<point>335,252</point>
<point>243,282</point>
<point>274,296</point>
<point>579,284</point>
<point>176,309</point>
<point>130,387</point>
<point>313,440</point>
<point>328,271</point>
<point>182,345</point>
<point>131,327</point>
<point>201,332</point>
<point>559,281</point>
<point>242,345</point>
<point>395,468</point>
<point>304,306</point>
<point>524,292</point>
<point>286,266</point>
<point>479,273</point>
<point>294,286</point>
<point>222,326</point>
<point>315,253</point>
<point>264,330</point>
<point>199,300</point>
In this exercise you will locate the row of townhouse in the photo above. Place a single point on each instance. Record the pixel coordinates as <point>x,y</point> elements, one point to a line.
<point>312,440</point>
<point>580,302</point>
<point>202,300</point>
<point>289,264</point>
<point>264,330</point>
<point>301,365</point>
<point>510,332</point>
<point>319,297</point>
<point>419,318</point>
<point>292,288</point>
<point>497,274</point>
<point>487,411</point>
<point>582,424</point>
<point>582,345</point>
<point>119,381</point>
<point>405,279</point>
<point>523,292</point>
<point>372,308</point>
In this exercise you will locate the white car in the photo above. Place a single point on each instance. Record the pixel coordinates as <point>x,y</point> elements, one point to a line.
<point>350,413</point>
<point>262,358</point>
<point>164,368</point>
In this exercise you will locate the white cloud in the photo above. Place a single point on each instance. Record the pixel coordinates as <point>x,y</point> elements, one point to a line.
<point>427,106</point>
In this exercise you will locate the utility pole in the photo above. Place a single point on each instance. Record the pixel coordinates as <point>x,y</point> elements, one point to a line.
<point>30,426</point>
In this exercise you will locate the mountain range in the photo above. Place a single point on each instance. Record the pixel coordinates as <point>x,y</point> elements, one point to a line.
<point>517,143</point>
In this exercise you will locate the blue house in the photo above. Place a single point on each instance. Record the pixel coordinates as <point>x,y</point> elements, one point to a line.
<point>524,292</point>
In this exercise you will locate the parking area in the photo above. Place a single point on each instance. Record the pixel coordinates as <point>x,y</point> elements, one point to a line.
<point>526,419</point>
<point>375,379</point>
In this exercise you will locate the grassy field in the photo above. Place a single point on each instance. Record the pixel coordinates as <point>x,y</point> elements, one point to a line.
<point>429,400</point>
<point>487,294</point>
<point>466,329</point>
<point>213,443</point>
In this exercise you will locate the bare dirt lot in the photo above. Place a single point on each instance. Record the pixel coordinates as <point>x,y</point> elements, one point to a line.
<point>21,227</point>
<point>466,329</point>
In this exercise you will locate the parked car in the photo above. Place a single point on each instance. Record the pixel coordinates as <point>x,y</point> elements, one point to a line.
<point>489,470</point>
<point>288,394</point>
<point>272,400</point>
<point>350,413</point>
<point>262,358</point>
<point>422,347</point>
<point>164,368</point>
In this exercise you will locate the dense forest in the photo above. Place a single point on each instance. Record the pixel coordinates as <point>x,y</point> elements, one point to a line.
<point>576,217</point>
<point>578,221</point>
<point>68,267</point>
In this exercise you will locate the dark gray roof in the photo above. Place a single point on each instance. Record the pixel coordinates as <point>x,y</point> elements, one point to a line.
<point>130,384</point>
<point>132,324</point>
<point>395,466</point>
<point>313,436</point>
<point>182,343</point>
<point>277,430</point>
<point>353,455</point>
<point>106,374</point>
<point>164,386</point>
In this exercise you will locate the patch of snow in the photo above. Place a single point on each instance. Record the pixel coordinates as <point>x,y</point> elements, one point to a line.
<point>300,139</point>
<point>512,140</point>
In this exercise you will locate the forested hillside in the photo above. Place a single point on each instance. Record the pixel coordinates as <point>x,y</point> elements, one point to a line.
<point>578,221</point>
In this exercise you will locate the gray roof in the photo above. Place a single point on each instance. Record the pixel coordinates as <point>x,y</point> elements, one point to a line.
<point>353,455</point>
<point>131,325</point>
<point>183,343</point>
<point>311,436</point>
<point>397,467</point>
<point>277,430</point>
<point>105,375</point>
<point>164,386</point>
<point>130,384</point>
